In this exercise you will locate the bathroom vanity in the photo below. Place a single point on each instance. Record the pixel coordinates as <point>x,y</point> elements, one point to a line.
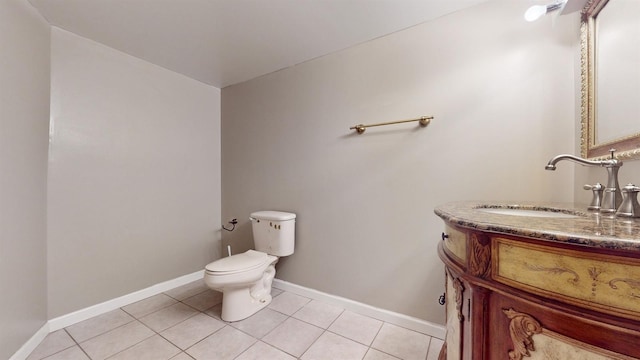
<point>539,281</point>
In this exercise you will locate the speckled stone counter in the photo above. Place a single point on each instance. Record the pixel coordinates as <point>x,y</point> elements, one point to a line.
<point>586,228</point>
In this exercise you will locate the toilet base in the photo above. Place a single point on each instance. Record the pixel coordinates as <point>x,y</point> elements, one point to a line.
<point>240,302</point>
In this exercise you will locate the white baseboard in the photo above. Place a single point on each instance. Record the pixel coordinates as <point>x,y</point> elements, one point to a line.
<point>95,310</point>
<point>405,321</point>
<point>28,347</point>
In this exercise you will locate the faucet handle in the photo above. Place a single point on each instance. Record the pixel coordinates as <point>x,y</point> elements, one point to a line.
<point>630,206</point>
<point>596,201</point>
<point>595,187</point>
<point>631,188</point>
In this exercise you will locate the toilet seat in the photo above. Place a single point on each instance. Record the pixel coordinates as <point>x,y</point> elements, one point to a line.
<point>246,261</point>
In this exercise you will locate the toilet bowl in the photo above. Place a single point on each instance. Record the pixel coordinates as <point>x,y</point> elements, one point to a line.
<point>245,279</point>
<point>245,282</point>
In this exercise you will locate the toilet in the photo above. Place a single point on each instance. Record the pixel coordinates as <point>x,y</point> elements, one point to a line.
<point>245,279</point>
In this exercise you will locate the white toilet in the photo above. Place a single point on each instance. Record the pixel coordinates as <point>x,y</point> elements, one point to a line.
<point>245,279</point>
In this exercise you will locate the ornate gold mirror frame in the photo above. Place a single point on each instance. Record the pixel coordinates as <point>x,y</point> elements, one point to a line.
<point>628,146</point>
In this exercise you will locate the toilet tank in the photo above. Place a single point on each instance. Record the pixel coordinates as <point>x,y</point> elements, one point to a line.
<point>274,232</point>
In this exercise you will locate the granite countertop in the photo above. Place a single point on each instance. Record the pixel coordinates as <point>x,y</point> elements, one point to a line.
<point>587,228</point>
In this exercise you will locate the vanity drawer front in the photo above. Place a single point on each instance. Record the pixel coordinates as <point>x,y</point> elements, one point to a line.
<point>455,243</point>
<point>609,284</point>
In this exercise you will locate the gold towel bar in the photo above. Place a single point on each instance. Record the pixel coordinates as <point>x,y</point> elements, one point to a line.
<point>360,128</point>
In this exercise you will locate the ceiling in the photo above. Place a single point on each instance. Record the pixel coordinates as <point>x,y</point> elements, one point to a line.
<point>224,42</point>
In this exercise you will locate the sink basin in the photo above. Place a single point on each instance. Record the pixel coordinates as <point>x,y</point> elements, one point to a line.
<point>529,212</point>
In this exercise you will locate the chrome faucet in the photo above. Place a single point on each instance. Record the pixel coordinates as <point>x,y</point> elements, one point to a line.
<point>612,194</point>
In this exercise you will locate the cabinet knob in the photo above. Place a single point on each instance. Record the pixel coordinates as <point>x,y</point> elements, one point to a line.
<point>444,236</point>
<point>442,299</point>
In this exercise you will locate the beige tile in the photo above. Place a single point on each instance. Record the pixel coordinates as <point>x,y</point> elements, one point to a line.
<point>262,351</point>
<point>186,291</point>
<point>260,323</point>
<point>374,354</point>
<point>401,342</point>
<point>52,343</point>
<point>318,313</point>
<point>434,349</point>
<point>192,330</point>
<point>293,336</point>
<point>168,317</point>
<point>227,343</point>
<point>116,340</point>
<point>182,356</point>
<point>288,303</point>
<point>204,300</point>
<point>154,348</point>
<point>72,353</point>
<point>149,305</point>
<point>331,346</point>
<point>356,327</point>
<point>100,324</point>
<point>275,292</point>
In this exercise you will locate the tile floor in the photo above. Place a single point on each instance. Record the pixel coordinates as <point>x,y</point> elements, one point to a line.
<point>185,324</point>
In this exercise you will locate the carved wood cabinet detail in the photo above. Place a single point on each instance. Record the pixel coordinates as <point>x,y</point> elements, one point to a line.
<point>519,298</point>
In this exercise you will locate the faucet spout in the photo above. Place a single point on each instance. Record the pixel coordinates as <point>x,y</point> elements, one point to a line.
<point>613,195</point>
<point>551,165</point>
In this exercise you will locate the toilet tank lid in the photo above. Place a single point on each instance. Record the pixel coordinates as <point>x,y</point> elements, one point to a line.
<point>273,215</point>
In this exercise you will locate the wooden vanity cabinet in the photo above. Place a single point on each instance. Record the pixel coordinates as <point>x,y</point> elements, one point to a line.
<point>510,297</point>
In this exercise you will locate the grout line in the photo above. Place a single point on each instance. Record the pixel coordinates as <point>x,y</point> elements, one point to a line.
<point>154,311</point>
<point>336,319</point>
<point>245,350</point>
<point>76,342</point>
<point>386,353</point>
<point>430,342</point>
<point>203,339</point>
<point>310,345</point>
<point>184,350</point>
<point>377,333</point>
<point>139,342</point>
<point>59,351</point>
<point>169,341</point>
<point>104,332</point>
<point>188,297</point>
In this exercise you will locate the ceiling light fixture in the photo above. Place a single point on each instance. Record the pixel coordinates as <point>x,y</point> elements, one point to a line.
<point>536,11</point>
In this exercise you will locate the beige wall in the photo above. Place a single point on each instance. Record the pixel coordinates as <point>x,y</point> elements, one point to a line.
<point>24,124</point>
<point>134,174</point>
<point>502,93</point>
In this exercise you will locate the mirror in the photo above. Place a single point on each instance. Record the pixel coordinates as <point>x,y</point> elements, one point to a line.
<point>611,79</point>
